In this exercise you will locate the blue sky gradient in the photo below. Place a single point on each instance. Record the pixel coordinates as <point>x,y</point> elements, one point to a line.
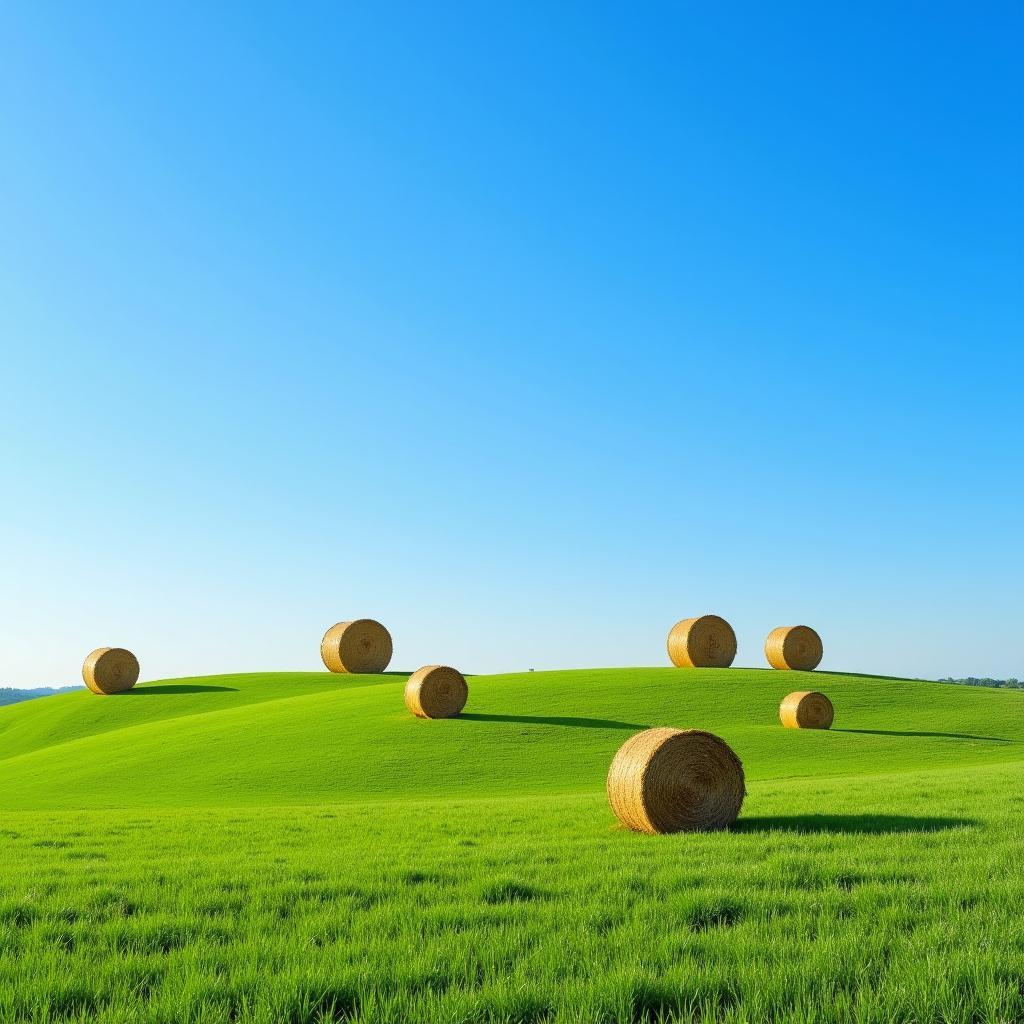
<point>527,330</point>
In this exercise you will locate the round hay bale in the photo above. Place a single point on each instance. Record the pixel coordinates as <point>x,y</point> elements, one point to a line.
<point>794,647</point>
<point>110,670</point>
<point>676,780</point>
<point>362,645</point>
<point>705,642</point>
<point>436,691</point>
<point>806,709</point>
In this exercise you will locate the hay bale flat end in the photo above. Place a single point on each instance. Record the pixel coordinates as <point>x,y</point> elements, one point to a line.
<point>676,780</point>
<point>707,641</point>
<point>436,691</point>
<point>796,648</point>
<point>806,709</point>
<point>110,670</point>
<point>359,646</point>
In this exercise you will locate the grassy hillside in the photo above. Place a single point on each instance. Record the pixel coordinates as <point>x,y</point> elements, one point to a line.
<point>307,737</point>
<point>296,848</point>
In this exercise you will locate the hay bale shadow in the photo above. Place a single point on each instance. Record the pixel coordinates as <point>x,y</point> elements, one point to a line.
<point>930,735</point>
<point>579,723</point>
<point>876,824</point>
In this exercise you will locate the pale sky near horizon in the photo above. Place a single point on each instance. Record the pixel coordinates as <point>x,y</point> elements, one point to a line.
<point>526,330</point>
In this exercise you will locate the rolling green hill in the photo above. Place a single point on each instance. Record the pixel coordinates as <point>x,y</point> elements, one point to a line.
<point>295,847</point>
<point>287,738</point>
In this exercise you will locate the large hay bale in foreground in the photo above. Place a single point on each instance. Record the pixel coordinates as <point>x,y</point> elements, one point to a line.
<point>675,780</point>
<point>704,642</point>
<point>794,647</point>
<point>806,709</point>
<point>436,691</point>
<point>110,670</point>
<point>360,646</point>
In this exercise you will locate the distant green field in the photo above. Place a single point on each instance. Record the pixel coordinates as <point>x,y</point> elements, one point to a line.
<point>296,847</point>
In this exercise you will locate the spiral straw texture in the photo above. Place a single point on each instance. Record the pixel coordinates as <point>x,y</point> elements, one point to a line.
<point>110,670</point>
<point>704,642</point>
<point>806,709</point>
<point>794,647</point>
<point>675,780</point>
<point>436,691</point>
<point>363,645</point>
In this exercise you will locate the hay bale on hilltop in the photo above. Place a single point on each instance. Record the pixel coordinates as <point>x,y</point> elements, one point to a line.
<point>797,648</point>
<point>359,646</point>
<point>110,670</point>
<point>676,780</point>
<point>806,709</point>
<point>436,691</point>
<point>707,641</point>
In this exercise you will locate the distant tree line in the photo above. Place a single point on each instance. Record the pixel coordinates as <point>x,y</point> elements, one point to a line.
<point>1001,684</point>
<point>9,695</point>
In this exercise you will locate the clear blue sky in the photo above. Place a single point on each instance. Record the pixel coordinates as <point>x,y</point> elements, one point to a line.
<point>526,329</point>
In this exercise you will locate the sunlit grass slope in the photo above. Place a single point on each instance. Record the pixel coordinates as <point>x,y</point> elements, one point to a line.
<point>875,898</point>
<point>310,737</point>
<point>295,847</point>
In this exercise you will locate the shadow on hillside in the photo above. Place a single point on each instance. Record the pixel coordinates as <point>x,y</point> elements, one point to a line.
<point>932,735</point>
<point>579,723</point>
<point>852,823</point>
<point>186,688</point>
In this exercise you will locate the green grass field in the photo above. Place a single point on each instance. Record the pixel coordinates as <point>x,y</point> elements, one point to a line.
<point>296,847</point>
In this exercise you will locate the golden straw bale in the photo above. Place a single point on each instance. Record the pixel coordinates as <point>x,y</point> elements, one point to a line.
<point>806,709</point>
<point>705,642</point>
<point>675,780</point>
<point>794,647</point>
<point>363,645</point>
<point>436,691</point>
<point>110,670</point>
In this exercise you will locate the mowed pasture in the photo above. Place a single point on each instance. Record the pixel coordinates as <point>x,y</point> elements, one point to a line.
<point>297,847</point>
